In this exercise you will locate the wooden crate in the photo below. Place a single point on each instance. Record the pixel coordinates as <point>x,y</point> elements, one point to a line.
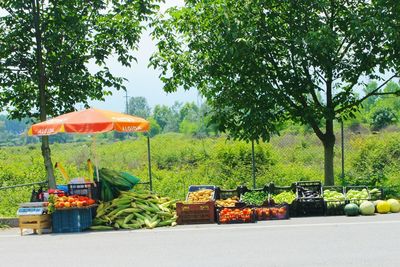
<point>35,222</point>
<point>195,213</point>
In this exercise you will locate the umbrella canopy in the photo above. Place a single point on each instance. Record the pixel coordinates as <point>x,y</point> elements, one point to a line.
<point>90,121</point>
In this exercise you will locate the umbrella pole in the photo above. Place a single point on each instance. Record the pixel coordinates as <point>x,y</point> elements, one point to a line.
<point>149,161</point>
<point>95,157</point>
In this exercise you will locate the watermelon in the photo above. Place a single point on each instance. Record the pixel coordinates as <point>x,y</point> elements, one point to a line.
<point>394,205</point>
<point>376,202</point>
<point>367,208</point>
<point>351,209</point>
<point>383,207</point>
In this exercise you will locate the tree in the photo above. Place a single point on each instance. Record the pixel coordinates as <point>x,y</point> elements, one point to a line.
<point>161,114</point>
<point>260,62</point>
<point>45,49</point>
<point>189,111</point>
<point>154,127</point>
<point>168,117</point>
<point>382,118</point>
<point>138,107</point>
<point>369,103</point>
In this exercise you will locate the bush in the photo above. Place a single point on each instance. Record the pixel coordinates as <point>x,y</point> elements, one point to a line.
<point>179,161</point>
<point>382,118</point>
<point>376,162</point>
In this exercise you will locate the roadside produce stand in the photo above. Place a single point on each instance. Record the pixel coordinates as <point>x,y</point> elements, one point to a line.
<point>135,209</point>
<point>271,202</point>
<point>74,213</point>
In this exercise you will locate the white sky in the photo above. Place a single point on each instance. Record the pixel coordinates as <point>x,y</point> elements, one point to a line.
<point>143,81</point>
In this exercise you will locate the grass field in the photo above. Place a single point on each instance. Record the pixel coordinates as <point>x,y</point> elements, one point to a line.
<point>179,161</point>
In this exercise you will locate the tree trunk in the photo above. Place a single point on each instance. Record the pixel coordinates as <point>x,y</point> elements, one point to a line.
<point>329,153</point>
<point>329,145</point>
<point>47,162</point>
<point>42,92</point>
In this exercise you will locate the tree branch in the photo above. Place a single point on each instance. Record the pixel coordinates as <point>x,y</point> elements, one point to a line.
<point>374,92</point>
<point>311,120</point>
<point>312,91</point>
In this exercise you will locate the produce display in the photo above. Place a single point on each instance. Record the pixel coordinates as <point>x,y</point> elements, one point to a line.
<point>256,198</point>
<point>383,207</point>
<point>357,196</point>
<point>394,205</point>
<point>64,202</point>
<point>134,210</point>
<point>334,199</point>
<point>229,202</point>
<point>270,213</point>
<point>199,196</point>
<point>229,215</point>
<point>113,182</point>
<point>375,194</point>
<point>367,208</point>
<point>351,209</point>
<point>284,197</point>
<point>308,193</point>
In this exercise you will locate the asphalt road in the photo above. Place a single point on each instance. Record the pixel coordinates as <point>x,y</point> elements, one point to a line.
<point>318,241</point>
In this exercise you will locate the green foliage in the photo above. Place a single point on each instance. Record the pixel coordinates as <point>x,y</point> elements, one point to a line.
<point>71,34</point>
<point>138,106</point>
<point>179,161</point>
<point>261,62</point>
<point>377,162</point>
<point>155,128</point>
<point>382,118</point>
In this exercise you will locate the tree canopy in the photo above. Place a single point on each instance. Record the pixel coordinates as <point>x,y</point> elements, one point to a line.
<point>138,106</point>
<point>260,62</point>
<point>74,34</point>
<point>47,45</point>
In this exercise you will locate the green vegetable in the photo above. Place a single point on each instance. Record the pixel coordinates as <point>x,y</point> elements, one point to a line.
<point>256,198</point>
<point>284,197</point>
<point>357,196</point>
<point>375,194</point>
<point>367,208</point>
<point>351,209</point>
<point>334,199</point>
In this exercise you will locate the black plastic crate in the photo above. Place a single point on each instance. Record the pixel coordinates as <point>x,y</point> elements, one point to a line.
<point>222,194</point>
<point>194,188</point>
<point>305,208</point>
<point>264,190</point>
<point>314,186</point>
<point>229,219</point>
<point>91,190</point>
<point>275,190</point>
<point>272,212</point>
<point>335,207</point>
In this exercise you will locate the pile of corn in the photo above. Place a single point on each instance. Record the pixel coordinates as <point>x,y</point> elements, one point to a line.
<point>135,210</point>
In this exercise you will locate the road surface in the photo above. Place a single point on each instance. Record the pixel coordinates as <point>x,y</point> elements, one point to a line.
<point>318,241</point>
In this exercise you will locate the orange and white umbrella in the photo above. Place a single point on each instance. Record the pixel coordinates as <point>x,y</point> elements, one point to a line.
<point>90,121</point>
